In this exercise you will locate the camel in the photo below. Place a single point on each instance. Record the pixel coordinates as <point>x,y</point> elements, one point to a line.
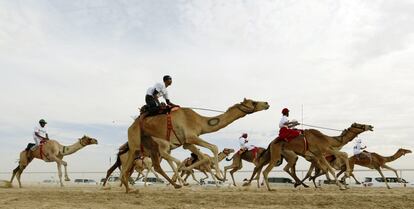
<point>184,126</point>
<point>51,151</point>
<point>206,167</point>
<point>236,165</point>
<point>140,164</point>
<point>313,146</point>
<point>237,161</point>
<point>375,161</point>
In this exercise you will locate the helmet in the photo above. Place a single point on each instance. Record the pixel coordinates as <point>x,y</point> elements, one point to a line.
<point>285,110</point>
<point>166,78</point>
<point>244,135</point>
<point>42,121</point>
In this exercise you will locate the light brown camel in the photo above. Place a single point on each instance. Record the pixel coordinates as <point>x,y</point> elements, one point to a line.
<point>314,148</point>
<point>141,164</point>
<point>51,151</point>
<point>187,126</point>
<point>142,160</point>
<point>375,161</point>
<point>206,167</point>
<point>237,158</point>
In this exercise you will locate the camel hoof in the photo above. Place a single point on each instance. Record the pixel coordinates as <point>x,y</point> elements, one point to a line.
<point>67,179</point>
<point>186,184</point>
<point>245,184</point>
<point>306,186</point>
<point>176,186</point>
<point>297,184</point>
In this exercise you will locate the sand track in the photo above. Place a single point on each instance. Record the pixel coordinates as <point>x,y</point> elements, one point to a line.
<point>201,197</point>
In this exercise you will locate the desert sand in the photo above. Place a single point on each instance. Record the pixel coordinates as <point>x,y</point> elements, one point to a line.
<point>198,197</point>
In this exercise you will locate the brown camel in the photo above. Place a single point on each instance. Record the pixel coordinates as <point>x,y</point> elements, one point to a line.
<point>140,164</point>
<point>314,148</point>
<point>206,167</point>
<point>236,165</point>
<point>375,161</point>
<point>187,126</point>
<point>51,151</point>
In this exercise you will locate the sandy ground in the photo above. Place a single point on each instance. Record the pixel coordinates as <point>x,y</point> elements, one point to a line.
<point>198,197</point>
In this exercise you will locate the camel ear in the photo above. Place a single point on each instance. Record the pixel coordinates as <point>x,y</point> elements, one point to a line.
<point>244,100</point>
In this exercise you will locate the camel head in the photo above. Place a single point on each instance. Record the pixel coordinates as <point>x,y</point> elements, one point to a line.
<point>227,151</point>
<point>359,128</point>
<point>249,106</point>
<point>86,140</point>
<point>404,151</point>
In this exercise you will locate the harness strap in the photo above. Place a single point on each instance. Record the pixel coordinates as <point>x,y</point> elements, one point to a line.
<point>42,142</point>
<point>170,127</point>
<point>306,144</point>
<point>140,126</point>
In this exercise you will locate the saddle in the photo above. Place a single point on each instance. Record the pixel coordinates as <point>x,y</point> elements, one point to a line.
<point>162,110</point>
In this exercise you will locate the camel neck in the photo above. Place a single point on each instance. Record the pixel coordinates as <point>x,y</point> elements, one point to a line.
<point>67,150</point>
<point>213,124</point>
<point>221,156</point>
<point>395,156</point>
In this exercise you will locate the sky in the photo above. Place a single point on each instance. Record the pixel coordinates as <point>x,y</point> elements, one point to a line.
<point>85,66</point>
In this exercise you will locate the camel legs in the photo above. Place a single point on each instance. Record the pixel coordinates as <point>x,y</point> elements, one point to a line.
<point>65,165</point>
<point>202,159</point>
<point>59,163</point>
<point>18,175</point>
<point>109,172</point>
<point>134,142</point>
<point>139,174</point>
<point>275,156</point>
<point>157,167</point>
<point>213,148</point>
<point>329,168</point>
<point>146,177</point>
<point>235,166</point>
<point>392,169</point>
<point>232,174</point>
<point>291,158</point>
<point>383,177</point>
<point>18,172</point>
<point>194,178</point>
<point>59,167</point>
<point>155,174</point>
<point>164,148</point>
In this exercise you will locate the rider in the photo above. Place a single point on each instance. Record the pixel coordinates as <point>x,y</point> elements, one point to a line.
<point>39,135</point>
<point>158,90</point>
<point>359,149</point>
<point>243,141</point>
<point>245,146</point>
<point>285,131</point>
